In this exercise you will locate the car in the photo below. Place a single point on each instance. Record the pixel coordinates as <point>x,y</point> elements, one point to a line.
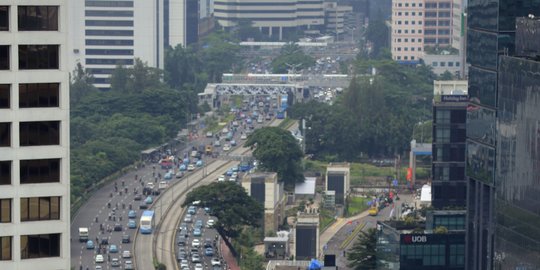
<point>198,224</point>
<point>184,264</point>
<point>181,240</point>
<point>210,223</point>
<point>182,167</point>
<point>268,117</point>
<point>217,143</point>
<point>221,178</point>
<point>243,137</point>
<point>150,185</point>
<point>104,240</point>
<point>209,251</point>
<point>143,206</point>
<point>207,243</point>
<point>132,224</point>
<point>199,163</point>
<point>179,174</point>
<point>117,227</point>
<point>90,244</point>
<point>195,258</point>
<point>215,262</point>
<point>99,258</point>
<point>198,266</point>
<point>182,227</point>
<point>234,169</point>
<point>188,218</point>
<point>192,210</point>
<point>209,134</point>
<point>181,255</point>
<point>128,265</point>
<point>148,200</point>
<point>126,254</point>
<point>98,267</point>
<point>226,147</point>
<point>113,249</point>
<point>207,210</point>
<point>190,167</point>
<point>132,214</point>
<point>137,197</point>
<point>259,120</point>
<point>196,243</point>
<point>126,239</point>
<point>197,232</point>
<point>115,262</point>
<point>233,143</point>
<point>224,130</point>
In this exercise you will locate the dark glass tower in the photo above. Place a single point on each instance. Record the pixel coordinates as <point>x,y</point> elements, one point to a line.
<point>499,202</point>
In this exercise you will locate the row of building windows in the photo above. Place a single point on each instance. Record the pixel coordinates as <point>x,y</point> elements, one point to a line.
<point>90,3</point>
<point>412,49</point>
<point>406,22</point>
<point>108,13</point>
<point>32,246</point>
<point>109,42</point>
<point>108,23</point>
<point>429,40</point>
<point>31,18</point>
<point>406,31</point>
<point>407,4</point>
<point>445,64</point>
<point>405,58</point>
<point>407,13</point>
<point>441,5</point>
<point>440,14</point>
<point>32,95</point>
<point>437,31</point>
<point>32,209</point>
<point>34,171</point>
<point>31,57</point>
<point>32,133</point>
<point>407,40</point>
<point>437,22</point>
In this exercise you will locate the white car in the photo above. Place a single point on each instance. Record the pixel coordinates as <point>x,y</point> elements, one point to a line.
<point>126,254</point>
<point>215,262</point>
<point>184,264</point>
<point>196,243</point>
<point>198,266</point>
<point>226,147</point>
<point>221,178</point>
<point>209,134</point>
<point>191,167</point>
<point>234,175</point>
<point>210,223</point>
<point>99,258</point>
<point>243,137</point>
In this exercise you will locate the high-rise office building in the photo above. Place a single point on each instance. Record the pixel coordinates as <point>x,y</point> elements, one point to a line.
<point>34,135</point>
<point>407,37</point>
<point>275,18</point>
<point>438,23</point>
<point>448,166</point>
<point>502,158</point>
<point>105,34</point>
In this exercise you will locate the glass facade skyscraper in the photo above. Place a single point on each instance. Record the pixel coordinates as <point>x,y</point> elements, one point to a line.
<point>502,132</point>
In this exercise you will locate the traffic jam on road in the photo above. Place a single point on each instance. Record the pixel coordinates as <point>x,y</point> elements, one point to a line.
<point>107,223</point>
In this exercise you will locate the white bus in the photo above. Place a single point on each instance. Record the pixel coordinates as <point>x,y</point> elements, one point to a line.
<point>147,222</point>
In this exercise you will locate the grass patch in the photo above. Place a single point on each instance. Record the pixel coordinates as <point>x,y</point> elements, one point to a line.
<point>286,123</point>
<point>357,205</point>
<point>327,217</point>
<point>362,171</point>
<point>212,124</point>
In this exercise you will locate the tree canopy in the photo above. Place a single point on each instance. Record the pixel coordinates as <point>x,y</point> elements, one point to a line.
<point>363,254</point>
<point>278,151</point>
<point>291,55</point>
<point>230,203</point>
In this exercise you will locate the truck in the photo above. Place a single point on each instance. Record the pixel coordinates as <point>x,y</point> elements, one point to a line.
<point>83,234</point>
<point>208,149</point>
<point>373,210</point>
<point>163,185</point>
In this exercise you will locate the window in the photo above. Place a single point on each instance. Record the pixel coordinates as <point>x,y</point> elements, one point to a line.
<point>39,133</point>
<point>444,22</point>
<point>412,57</point>
<point>419,48</point>
<point>5,96</point>
<point>399,49</point>
<point>406,4</point>
<point>406,48</point>
<point>399,5</point>
<point>406,40</point>
<point>412,39</point>
<point>39,95</point>
<point>38,56</point>
<point>442,135</point>
<point>419,23</point>
<point>4,57</point>
<point>5,172</point>
<point>444,31</point>
<point>430,23</point>
<point>108,13</point>
<point>112,33</point>
<point>430,32</point>
<point>431,14</point>
<point>444,5</point>
<point>399,31</point>
<point>108,23</point>
<point>38,18</point>
<point>399,58</point>
<point>5,210</point>
<point>412,49</point>
<point>444,14</point>
<point>40,208</point>
<point>431,5</point>
<point>108,52</point>
<point>40,171</point>
<point>457,64</point>
<point>5,134</point>
<point>109,42</point>
<point>5,245</point>
<point>101,3</point>
<point>442,116</point>
<point>413,22</point>
<point>434,64</point>
<point>413,13</point>
<point>4,18</point>
<point>450,64</point>
<point>406,13</point>
<point>91,61</point>
<point>406,31</point>
<point>443,64</point>
<point>399,40</point>
<point>405,58</point>
<point>40,246</point>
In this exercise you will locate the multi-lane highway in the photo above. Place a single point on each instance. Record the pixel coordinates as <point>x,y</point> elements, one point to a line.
<point>163,239</point>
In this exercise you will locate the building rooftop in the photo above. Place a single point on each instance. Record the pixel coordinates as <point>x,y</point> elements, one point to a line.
<point>306,188</point>
<point>282,265</point>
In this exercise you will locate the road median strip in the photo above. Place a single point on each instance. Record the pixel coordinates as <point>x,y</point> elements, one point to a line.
<point>354,233</point>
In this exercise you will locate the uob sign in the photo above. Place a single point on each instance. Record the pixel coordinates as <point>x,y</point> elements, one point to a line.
<point>411,239</point>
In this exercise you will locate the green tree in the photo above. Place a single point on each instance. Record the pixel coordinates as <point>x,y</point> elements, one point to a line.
<point>80,84</point>
<point>230,203</point>
<point>219,53</point>
<point>446,76</point>
<point>291,55</point>
<point>245,31</point>
<point>363,254</point>
<point>251,260</point>
<point>377,33</point>
<point>278,151</point>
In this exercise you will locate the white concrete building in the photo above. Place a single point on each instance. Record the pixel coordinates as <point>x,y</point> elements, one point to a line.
<point>273,18</point>
<point>335,17</point>
<point>34,135</point>
<point>407,36</point>
<point>105,34</point>
<point>444,62</point>
<point>338,179</point>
